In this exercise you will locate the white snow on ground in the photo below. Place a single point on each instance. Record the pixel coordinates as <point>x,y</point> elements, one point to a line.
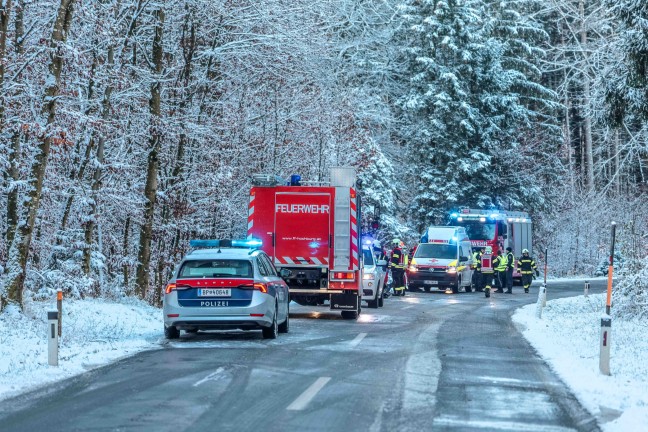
<point>95,333</point>
<point>567,336</point>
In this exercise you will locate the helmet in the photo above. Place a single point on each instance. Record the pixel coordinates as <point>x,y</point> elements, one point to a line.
<point>396,242</point>
<point>525,251</point>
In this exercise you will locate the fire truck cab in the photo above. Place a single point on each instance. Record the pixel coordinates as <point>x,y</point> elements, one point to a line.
<point>498,229</point>
<point>310,231</point>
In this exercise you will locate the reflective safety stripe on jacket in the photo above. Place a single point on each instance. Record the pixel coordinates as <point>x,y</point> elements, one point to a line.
<point>527,265</point>
<point>397,260</point>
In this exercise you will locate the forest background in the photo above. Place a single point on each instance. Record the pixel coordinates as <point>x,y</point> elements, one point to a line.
<point>128,127</point>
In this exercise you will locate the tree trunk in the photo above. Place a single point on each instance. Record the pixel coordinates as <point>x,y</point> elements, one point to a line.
<point>14,155</point>
<point>126,236</point>
<point>150,190</point>
<point>19,250</point>
<point>5,11</point>
<point>96,184</point>
<point>587,124</point>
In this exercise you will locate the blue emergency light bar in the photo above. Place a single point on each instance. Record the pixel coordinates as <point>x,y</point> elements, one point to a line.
<point>213,244</point>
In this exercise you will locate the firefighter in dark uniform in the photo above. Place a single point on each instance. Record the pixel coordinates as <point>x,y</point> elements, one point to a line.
<point>527,267</point>
<point>487,271</point>
<point>397,264</point>
<point>477,276</point>
<point>510,263</point>
<point>499,264</point>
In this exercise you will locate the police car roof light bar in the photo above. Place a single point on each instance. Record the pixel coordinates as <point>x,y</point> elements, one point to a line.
<point>226,243</point>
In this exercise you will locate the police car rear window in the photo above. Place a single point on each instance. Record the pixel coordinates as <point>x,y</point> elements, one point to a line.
<point>216,268</point>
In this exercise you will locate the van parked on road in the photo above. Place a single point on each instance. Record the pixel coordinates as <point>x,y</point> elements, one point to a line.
<point>442,260</point>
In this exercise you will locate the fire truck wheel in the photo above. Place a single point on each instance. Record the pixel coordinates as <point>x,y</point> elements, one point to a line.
<point>350,315</point>
<point>468,288</point>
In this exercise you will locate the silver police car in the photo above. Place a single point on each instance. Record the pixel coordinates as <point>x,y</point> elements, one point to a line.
<point>226,285</point>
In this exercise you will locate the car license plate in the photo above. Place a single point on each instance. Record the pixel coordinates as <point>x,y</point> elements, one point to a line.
<point>214,292</point>
<point>431,282</point>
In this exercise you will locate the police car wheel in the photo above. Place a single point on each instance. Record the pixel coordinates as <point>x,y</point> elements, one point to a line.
<point>171,332</point>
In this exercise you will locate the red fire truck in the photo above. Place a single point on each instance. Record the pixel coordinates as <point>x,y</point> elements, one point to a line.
<point>311,233</point>
<point>498,229</point>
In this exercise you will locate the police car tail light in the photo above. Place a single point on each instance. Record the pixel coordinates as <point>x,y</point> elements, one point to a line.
<point>175,287</point>
<point>261,287</point>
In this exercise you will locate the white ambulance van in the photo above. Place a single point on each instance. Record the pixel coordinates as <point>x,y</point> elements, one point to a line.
<point>442,260</point>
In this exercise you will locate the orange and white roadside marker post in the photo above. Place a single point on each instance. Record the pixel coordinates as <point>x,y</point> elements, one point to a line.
<point>52,338</point>
<point>59,308</point>
<point>606,321</point>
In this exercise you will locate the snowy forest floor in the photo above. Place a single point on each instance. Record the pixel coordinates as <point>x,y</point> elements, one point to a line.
<point>567,337</point>
<point>97,332</point>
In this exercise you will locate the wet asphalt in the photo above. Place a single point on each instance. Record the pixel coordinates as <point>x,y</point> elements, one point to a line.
<point>426,361</point>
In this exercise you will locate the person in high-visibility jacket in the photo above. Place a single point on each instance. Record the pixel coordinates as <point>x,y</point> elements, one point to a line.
<point>510,264</point>
<point>397,265</point>
<point>527,267</point>
<point>499,264</point>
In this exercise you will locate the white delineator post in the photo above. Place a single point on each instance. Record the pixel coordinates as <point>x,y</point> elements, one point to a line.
<point>52,338</point>
<point>542,298</point>
<point>587,288</point>
<point>604,357</point>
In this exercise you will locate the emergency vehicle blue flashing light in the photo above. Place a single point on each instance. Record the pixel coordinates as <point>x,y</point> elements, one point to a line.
<point>249,243</point>
<point>493,216</point>
<point>454,239</point>
<point>454,215</point>
<point>313,245</point>
<point>246,243</point>
<point>295,180</point>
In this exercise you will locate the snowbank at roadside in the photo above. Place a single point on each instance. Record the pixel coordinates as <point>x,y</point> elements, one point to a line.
<point>95,332</point>
<point>567,337</point>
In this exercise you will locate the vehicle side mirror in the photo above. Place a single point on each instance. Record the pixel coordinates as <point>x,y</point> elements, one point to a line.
<point>382,263</point>
<point>285,273</point>
<point>463,259</point>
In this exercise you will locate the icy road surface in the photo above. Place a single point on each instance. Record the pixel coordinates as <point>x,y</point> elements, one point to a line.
<point>428,361</point>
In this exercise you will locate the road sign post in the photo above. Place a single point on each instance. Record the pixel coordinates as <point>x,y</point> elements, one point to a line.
<point>587,288</point>
<point>52,338</point>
